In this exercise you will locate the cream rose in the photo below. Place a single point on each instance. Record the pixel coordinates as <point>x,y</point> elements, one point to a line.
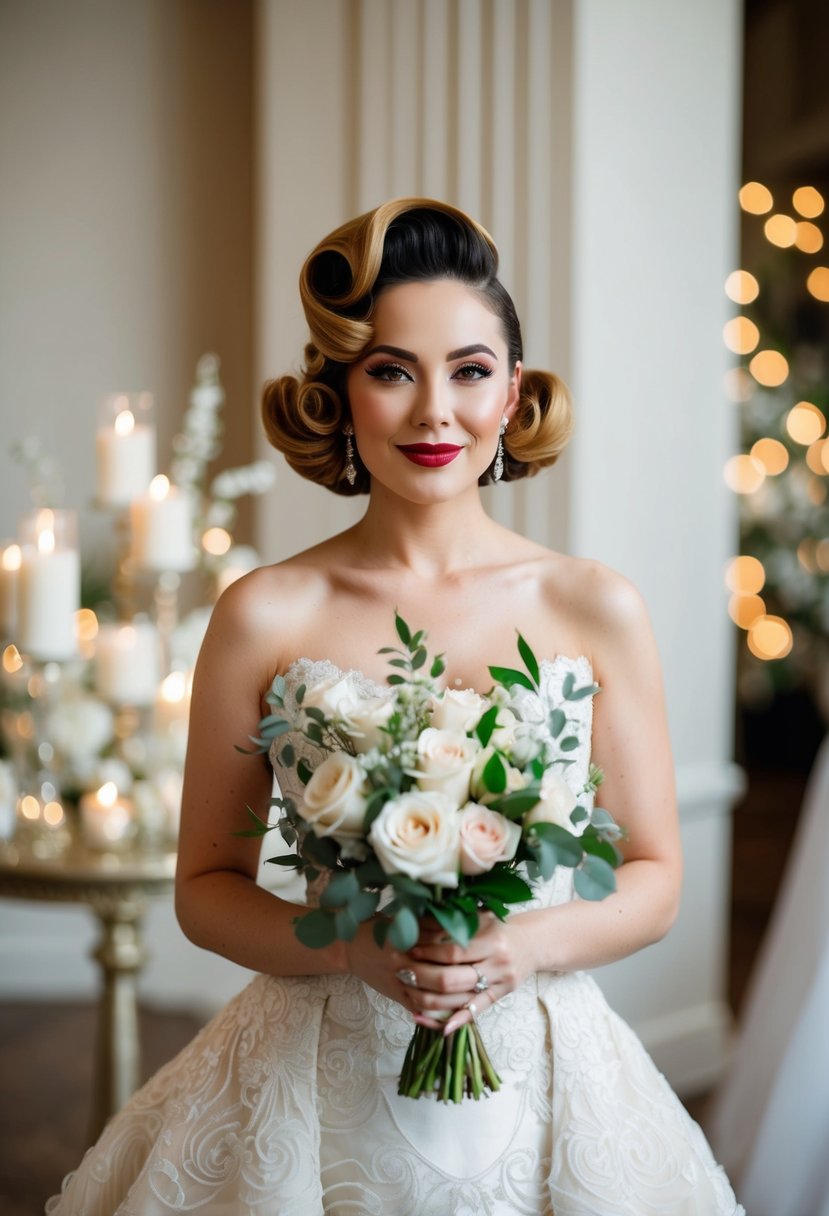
<point>557,802</point>
<point>515,778</point>
<point>457,709</point>
<point>336,697</point>
<point>504,734</point>
<point>334,802</point>
<point>444,762</point>
<point>363,723</point>
<point>418,834</point>
<point>486,837</point>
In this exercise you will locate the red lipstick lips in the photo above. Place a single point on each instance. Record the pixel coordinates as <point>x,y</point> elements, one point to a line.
<point>430,455</point>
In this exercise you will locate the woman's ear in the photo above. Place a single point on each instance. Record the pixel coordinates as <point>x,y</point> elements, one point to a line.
<point>514,392</point>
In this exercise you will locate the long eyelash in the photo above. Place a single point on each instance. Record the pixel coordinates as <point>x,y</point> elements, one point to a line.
<point>380,370</point>
<point>482,368</point>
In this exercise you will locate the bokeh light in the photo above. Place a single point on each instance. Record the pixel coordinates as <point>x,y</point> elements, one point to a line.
<point>12,661</point>
<point>745,609</point>
<point>817,457</point>
<point>805,423</point>
<point>822,555</point>
<point>756,198</point>
<point>742,287</point>
<point>216,541</point>
<point>780,230</point>
<point>741,335</point>
<point>745,575</point>
<point>807,554</point>
<point>808,201</point>
<point>816,491</point>
<point>818,283</point>
<point>772,454</point>
<point>770,638</point>
<point>808,237</point>
<point>743,474</point>
<point>769,368</point>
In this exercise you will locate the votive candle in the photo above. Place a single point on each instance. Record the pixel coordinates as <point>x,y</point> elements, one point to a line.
<point>48,585</point>
<point>128,663</point>
<point>162,528</point>
<point>125,447</point>
<point>107,819</point>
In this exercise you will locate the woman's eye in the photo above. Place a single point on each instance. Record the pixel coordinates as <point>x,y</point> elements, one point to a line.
<point>473,371</point>
<point>388,371</point>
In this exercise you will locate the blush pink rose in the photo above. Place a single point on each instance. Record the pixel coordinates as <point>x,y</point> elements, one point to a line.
<point>486,837</point>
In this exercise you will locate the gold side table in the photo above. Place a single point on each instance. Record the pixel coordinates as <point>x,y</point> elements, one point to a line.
<point>117,888</point>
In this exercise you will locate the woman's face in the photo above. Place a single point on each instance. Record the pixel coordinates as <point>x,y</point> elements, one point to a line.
<point>428,395</point>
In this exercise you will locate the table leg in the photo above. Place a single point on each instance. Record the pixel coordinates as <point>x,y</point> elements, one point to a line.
<point>121,955</point>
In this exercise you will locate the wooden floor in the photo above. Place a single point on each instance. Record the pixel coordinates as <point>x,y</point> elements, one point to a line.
<point>46,1049</point>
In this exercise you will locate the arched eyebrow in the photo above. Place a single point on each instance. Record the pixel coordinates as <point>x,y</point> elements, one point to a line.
<point>477,348</point>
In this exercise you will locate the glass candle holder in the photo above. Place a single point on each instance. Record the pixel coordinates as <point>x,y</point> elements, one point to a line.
<point>125,448</point>
<point>48,585</point>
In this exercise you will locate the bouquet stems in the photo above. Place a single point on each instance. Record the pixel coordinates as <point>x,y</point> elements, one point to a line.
<point>449,1066</point>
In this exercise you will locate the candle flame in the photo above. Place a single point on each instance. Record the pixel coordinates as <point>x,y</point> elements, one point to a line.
<point>46,542</point>
<point>124,423</point>
<point>159,487</point>
<point>108,793</point>
<point>11,557</point>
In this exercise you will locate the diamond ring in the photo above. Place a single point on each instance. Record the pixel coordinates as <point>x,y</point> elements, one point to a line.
<point>407,977</point>
<point>482,983</point>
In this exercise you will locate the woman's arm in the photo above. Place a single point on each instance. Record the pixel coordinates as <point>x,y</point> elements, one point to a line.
<point>631,743</point>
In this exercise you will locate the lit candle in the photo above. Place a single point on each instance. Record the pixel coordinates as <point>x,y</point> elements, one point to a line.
<point>171,717</point>
<point>128,663</point>
<point>125,448</point>
<point>48,586</point>
<point>107,819</point>
<point>162,528</point>
<point>9,567</point>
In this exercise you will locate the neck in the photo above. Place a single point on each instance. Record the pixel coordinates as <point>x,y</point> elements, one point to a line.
<point>429,540</point>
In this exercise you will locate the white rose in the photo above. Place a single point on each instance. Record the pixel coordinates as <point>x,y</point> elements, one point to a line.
<point>515,778</point>
<point>418,834</point>
<point>336,697</point>
<point>457,709</point>
<point>363,723</point>
<point>444,762</point>
<point>486,837</point>
<point>80,728</point>
<point>333,801</point>
<point>557,802</point>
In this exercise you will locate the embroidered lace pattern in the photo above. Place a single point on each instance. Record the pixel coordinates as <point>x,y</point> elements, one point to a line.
<point>286,1101</point>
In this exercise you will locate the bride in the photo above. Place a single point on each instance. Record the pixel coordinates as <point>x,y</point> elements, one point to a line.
<point>413,392</point>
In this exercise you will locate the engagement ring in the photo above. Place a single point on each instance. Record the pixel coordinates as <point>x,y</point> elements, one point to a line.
<point>407,977</point>
<point>482,983</point>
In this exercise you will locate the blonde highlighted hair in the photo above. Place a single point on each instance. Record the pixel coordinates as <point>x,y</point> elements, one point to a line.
<point>406,240</point>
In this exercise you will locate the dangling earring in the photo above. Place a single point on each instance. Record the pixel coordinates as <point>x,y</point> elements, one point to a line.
<point>350,467</point>
<point>498,467</point>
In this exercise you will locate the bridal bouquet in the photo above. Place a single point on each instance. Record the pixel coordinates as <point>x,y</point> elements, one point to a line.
<point>422,802</point>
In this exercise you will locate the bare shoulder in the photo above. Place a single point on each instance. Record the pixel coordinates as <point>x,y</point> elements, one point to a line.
<point>606,610</point>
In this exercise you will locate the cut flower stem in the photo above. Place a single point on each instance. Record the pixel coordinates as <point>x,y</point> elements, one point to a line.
<point>449,1067</point>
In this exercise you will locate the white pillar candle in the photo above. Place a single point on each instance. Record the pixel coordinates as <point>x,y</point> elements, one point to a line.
<point>171,717</point>
<point>162,528</point>
<point>9,566</point>
<point>48,586</point>
<point>107,819</point>
<point>125,446</point>
<point>128,663</point>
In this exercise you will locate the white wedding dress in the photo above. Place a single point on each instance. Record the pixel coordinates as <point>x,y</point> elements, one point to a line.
<point>286,1103</point>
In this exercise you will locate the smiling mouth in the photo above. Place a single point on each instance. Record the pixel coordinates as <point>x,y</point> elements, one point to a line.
<point>430,455</point>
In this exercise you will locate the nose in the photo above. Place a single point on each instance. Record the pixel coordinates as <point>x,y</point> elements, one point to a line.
<point>432,406</point>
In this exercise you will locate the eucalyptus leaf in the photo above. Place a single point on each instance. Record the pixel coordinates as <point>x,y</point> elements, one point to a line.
<point>567,685</point>
<point>315,714</point>
<point>304,772</point>
<point>404,930</point>
<point>594,879</point>
<point>370,872</point>
<point>313,731</point>
<point>558,719</point>
<point>569,743</point>
<point>409,886</point>
<point>517,802</point>
<point>345,924</point>
<point>340,890</point>
<point>364,904</point>
<point>288,755</point>
<point>598,847</point>
<point>299,695</point>
<point>578,815</point>
<point>316,929</point>
<point>320,849</point>
<point>568,847</point>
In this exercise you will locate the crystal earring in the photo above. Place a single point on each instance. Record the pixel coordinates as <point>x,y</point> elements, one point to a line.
<point>498,467</point>
<point>350,467</point>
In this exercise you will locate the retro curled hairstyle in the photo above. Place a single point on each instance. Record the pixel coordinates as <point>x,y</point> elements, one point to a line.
<point>406,240</point>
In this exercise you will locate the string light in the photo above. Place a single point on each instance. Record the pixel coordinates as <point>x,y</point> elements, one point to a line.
<point>769,368</point>
<point>808,237</point>
<point>817,457</point>
<point>742,287</point>
<point>744,610</point>
<point>756,198</point>
<point>818,283</point>
<point>741,335</point>
<point>805,423</point>
<point>808,201</point>
<point>780,230</point>
<point>772,454</point>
